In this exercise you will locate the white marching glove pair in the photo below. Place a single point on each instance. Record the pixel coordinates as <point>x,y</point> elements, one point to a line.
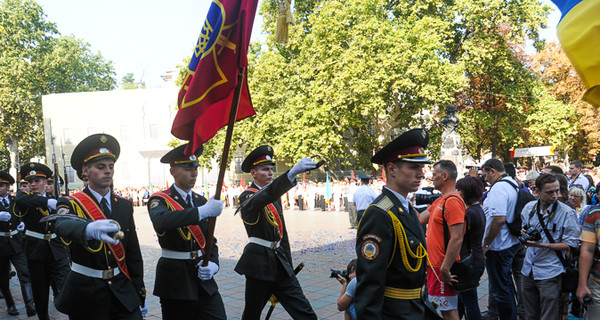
<point>99,230</point>
<point>206,273</point>
<point>302,166</point>
<point>4,216</point>
<point>21,227</point>
<point>52,204</point>
<point>212,208</point>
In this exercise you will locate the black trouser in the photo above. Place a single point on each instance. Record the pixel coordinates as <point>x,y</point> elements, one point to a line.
<point>288,292</point>
<point>43,274</point>
<point>206,307</point>
<point>116,311</point>
<point>4,280</point>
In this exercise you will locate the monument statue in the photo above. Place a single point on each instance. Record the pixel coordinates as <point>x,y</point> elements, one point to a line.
<point>451,148</point>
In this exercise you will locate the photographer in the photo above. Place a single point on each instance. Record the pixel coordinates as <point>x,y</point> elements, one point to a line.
<point>348,282</point>
<point>549,229</point>
<point>446,213</point>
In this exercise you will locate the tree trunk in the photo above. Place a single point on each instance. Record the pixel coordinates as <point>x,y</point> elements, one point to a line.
<point>13,149</point>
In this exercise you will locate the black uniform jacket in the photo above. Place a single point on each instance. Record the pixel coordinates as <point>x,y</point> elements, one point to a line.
<point>178,279</point>
<point>12,244</point>
<point>32,208</point>
<point>84,296</point>
<point>257,261</point>
<point>380,262</point>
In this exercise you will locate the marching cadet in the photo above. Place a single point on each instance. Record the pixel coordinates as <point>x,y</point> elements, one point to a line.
<point>106,280</point>
<point>23,185</point>
<point>11,249</point>
<point>390,242</point>
<point>47,256</point>
<point>267,259</point>
<point>186,289</point>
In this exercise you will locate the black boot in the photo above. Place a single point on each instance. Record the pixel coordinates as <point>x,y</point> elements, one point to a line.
<point>43,316</point>
<point>10,304</point>
<point>28,299</point>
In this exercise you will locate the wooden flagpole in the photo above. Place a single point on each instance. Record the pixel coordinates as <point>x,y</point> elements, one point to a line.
<point>224,157</point>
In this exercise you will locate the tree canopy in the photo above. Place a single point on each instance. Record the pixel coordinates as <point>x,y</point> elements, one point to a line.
<point>35,59</point>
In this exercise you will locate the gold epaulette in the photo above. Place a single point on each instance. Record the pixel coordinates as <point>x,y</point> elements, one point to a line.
<point>384,204</point>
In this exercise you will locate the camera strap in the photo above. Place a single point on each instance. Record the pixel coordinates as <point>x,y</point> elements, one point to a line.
<point>548,235</point>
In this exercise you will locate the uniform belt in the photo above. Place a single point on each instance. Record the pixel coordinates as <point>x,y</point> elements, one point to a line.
<point>179,255</point>
<point>264,243</point>
<point>100,274</point>
<point>403,294</point>
<point>41,236</point>
<point>8,233</point>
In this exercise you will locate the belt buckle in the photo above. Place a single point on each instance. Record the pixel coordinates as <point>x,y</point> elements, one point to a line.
<point>193,255</point>
<point>48,236</point>
<point>107,274</point>
<point>274,245</point>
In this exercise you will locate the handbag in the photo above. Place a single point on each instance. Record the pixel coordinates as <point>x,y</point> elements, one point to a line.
<point>463,269</point>
<point>570,278</point>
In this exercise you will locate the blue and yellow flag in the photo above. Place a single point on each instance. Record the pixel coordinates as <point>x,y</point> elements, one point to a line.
<point>579,35</point>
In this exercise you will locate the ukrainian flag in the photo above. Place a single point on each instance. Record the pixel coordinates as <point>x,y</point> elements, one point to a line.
<point>579,35</point>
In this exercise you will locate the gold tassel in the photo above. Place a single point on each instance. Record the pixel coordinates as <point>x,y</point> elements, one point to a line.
<point>285,18</point>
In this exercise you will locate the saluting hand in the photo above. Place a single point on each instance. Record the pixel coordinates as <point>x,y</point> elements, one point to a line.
<point>302,166</point>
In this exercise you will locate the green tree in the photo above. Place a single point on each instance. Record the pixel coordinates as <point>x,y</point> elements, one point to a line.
<point>128,82</point>
<point>36,60</point>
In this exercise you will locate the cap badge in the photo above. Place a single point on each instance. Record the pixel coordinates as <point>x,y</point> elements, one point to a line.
<point>421,150</point>
<point>31,165</point>
<point>103,139</point>
<point>268,157</point>
<point>103,150</point>
<point>193,158</point>
<point>32,172</point>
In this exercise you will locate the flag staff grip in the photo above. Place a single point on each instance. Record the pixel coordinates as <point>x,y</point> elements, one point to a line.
<point>226,146</point>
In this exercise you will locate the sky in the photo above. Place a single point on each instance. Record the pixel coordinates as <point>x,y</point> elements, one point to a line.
<point>149,37</point>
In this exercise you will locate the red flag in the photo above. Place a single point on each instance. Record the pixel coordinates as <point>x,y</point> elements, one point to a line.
<point>208,89</point>
<point>304,178</point>
<point>242,184</point>
<point>353,177</point>
<point>383,175</point>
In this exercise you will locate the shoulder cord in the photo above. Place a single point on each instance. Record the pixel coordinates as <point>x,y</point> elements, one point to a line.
<point>182,233</point>
<point>400,236</point>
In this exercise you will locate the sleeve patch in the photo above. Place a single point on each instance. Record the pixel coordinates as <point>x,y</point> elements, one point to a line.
<point>154,204</point>
<point>62,210</point>
<point>371,236</point>
<point>370,250</point>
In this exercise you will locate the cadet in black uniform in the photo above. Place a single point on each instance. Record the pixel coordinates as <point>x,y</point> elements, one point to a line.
<point>11,249</point>
<point>390,242</point>
<point>106,280</point>
<point>267,260</point>
<point>186,289</point>
<point>47,256</point>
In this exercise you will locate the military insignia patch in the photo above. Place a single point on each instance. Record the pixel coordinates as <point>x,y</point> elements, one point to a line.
<point>103,139</point>
<point>153,204</point>
<point>370,250</point>
<point>372,236</point>
<point>62,210</point>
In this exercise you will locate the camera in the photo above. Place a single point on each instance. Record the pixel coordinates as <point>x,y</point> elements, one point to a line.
<point>421,199</point>
<point>531,234</point>
<point>343,273</point>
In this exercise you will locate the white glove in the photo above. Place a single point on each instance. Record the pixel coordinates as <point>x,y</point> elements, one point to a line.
<point>144,309</point>
<point>4,216</point>
<point>302,166</point>
<point>212,208</point>
<point>206,273</point>
<point>52,204</point>
<point>21,226</point>
<point>99,230</point>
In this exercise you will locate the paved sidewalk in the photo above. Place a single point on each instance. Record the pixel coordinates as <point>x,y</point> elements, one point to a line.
<point>322,240</point>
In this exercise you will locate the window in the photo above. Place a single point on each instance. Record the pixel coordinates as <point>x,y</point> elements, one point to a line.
<point>154,131</point>
<point>68,136</point>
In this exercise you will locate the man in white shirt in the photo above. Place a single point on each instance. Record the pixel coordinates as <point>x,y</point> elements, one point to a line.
<point>576,176</point>
<point>363,196</point>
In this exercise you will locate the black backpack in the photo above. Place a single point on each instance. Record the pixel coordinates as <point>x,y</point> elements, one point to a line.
<point>523,198</point>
